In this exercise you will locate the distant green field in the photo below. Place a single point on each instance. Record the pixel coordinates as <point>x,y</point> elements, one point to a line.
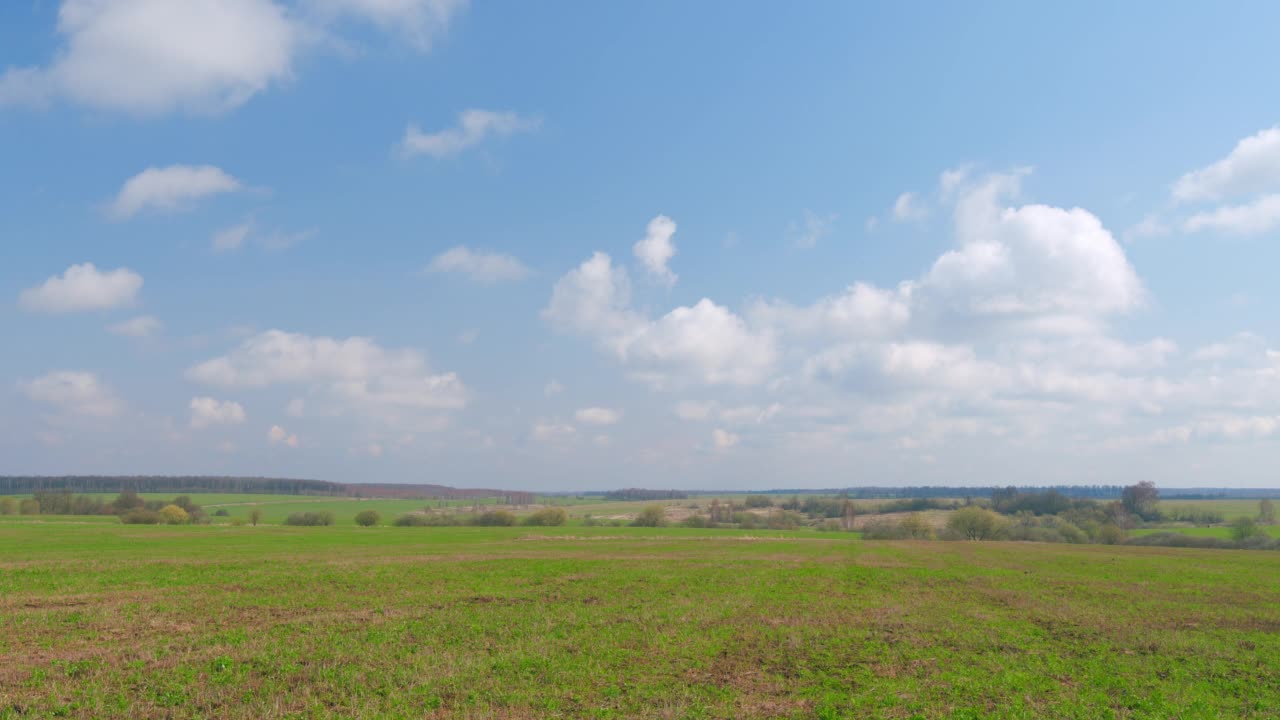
<point>114,621</point>
<point>1217,532</point>
<point>1230,509</point>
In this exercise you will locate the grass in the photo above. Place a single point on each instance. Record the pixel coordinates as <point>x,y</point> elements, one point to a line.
<point>105,620</point>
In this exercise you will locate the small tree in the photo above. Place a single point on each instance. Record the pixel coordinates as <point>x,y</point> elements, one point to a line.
<point>255,516</point>
<point>551,516</point>
<point>174,515</point>
<point>368,518</point>
<point>1266,512</point>
<point>1244,528</point>
<point>8,506</point>
<point>975,523</point>
<point>1141,499</point>
<point>651,516</point>
<point>30,506</point>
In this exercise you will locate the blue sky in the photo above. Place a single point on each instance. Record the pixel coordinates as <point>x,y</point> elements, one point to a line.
<point>700,245</point>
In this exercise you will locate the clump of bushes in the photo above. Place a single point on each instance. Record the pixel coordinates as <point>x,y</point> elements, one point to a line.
<point>547,517</point>
<point>975,523</point>
<point>142,516</point>
<point>651,516</point>
<point>368,518</point>
<point>494,518</point>
<point>911,527</point>
<point>323,517</point>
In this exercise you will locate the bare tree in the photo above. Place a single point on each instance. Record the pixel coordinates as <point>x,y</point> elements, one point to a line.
<point>1266,512</point>
<point>255,516</point>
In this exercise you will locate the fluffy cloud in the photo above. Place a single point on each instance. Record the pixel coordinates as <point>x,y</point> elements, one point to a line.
<point>83,287</point>
<point>279,436</point>
<point>419,21</point>
<point>474,126</point>
<point>860,311</point>
<point>552,431</point>
<point>141,326</point>
<point>1259,216</point>
<point>73,392</point>
<point>156,56</point>
<point>484,267</point>
<point>150,57</point>
<point>231,238</point>
<point>171,188</point>
<point>657,249</point>
<point>1252,166</point>
<point>206,411</point>
<point>1034,263</point>
<point>350,375</point>
<point>598,416</point>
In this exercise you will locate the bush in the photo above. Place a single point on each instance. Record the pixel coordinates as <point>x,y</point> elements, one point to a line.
<point>237,522</point>
<point>547,517</point>
<point>911,527</point>
<point>1244,528</point>
<point>368,518</point>
<point>697,521</point>
<point>494,518</point>
<point>588,521</point>
<point>29,507</point>
<point>174,515</point>
<point>758,501</point>
<point>221,512</point>
<point>652,516</point>
<point>975,523</point>
<point>310,519</point>
<point>1110,534</point>
<point>8,506</point>
<point>142,516</point>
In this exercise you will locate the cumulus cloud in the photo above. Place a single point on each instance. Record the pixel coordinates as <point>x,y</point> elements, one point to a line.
<point>151,57</point>
<point>154,56</point>
<point>1253,218</point>
<point>279,436</point>
<point>73,392</point>
<point>83,287</point>
<point>656,249</point>
<point>474,127</point>
<point>1252,166</point>
<point>206,411</point>
<point>352,375</point>
<point>175,187</point>
<point>483,267</point>
<point>139,327</point>
<point>598,416</point>
<point>705,342</point>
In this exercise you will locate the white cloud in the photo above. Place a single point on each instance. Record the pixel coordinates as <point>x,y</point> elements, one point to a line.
<point>552,388</point>
<point>206,411</point>
<point>551,431</point>
<point>657,249</point>
<point>297,408</point>
<point>83,287</point>
<point>1149,226</point>
<point>279,436</point>
<point>705,342</point>
<point>353,375</point>
<point>73,392</point>
<point>231,238</point>
<point>908,207</point>
<point>419,21</point>
<point>860,311</point>
<point>170,188</point>
<point>723,439</point>
<point>1252,166</point>
<point>150,57</point>
<point>1258,216</point>
<point>141,326</point>
<point>951,180</point>
<point>810,229</point>
<point>1033,262</point>
<point>484,267</point>
<point>474,126</point>
<point>598,416</point>
<point>686,410</point>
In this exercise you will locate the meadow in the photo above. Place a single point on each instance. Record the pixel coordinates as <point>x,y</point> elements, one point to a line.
<point>109,620</point>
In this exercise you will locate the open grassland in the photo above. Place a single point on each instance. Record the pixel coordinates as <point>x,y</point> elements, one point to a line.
<point>106,620</point>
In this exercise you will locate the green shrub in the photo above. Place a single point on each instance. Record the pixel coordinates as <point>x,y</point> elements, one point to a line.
<point>142,516</point>
<point>547,517</point>
<point>1244,528</point>
<point>368,518</point>
<point>651,516</point>
<point>975,523</point>
<point>221,512</point>
<point>758,501</point>
<point>494,518</point>
<point>310,519</point>
<point>697,521</point>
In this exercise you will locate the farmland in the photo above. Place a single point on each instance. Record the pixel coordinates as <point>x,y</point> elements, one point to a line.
<point>110,620</point>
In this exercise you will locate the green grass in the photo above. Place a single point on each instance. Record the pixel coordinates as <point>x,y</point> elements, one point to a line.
<point>1215,532</point>
<point>1230,509</point>
<point>106,620</point>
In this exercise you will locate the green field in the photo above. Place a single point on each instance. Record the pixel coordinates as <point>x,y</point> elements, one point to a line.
<point>106,620</point>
